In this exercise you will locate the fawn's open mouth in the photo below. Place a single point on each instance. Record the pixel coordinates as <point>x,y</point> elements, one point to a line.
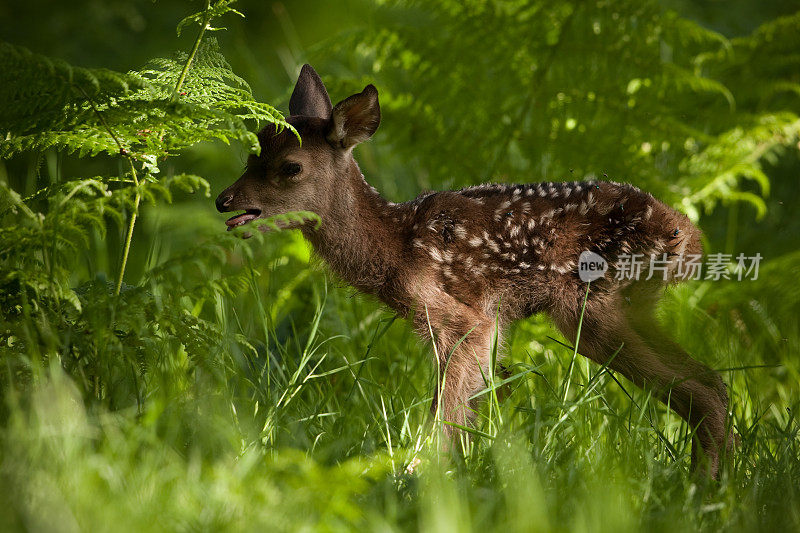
<point>244,218</point>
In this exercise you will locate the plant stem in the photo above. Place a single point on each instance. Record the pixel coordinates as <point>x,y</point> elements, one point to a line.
<point>129,234</point>
<point>102,120</point>
<point>196,46</point>
<point>136,199</point>
<point>575,351</point>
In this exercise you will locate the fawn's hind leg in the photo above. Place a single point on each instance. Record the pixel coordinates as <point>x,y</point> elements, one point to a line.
<point>641,311</point>
<point>625,322</point>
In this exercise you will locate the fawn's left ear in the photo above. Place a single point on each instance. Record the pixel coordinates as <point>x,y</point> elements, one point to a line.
<point>310,98</point>
<point>355,119</point>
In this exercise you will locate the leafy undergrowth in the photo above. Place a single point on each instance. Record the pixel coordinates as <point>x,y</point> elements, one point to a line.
<point>298,426</point>
<point>229,385</point>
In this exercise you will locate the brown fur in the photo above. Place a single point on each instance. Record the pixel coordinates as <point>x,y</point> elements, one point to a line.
<point>459,262</point>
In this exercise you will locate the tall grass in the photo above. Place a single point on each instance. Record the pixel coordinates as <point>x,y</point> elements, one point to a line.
<point>312,413</point>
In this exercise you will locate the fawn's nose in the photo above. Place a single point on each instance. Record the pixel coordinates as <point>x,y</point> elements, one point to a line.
<point>223,201</point>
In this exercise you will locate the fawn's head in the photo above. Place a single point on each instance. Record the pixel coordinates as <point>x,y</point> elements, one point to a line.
<point>290,176</point>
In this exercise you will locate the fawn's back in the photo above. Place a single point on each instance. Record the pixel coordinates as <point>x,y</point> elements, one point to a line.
<point>518,245</point>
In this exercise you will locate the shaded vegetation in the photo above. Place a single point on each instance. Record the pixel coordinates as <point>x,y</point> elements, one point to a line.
<point>159,373</point>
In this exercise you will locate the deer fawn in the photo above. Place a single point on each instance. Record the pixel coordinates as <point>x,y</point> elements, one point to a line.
<point>473,260</point>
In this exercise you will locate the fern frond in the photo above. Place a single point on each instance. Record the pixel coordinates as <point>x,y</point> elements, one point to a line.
<point>88,112</point>
<point>41,93</point>
<point>718,170</point>
<point>222,7</point>
<point>683,80</point>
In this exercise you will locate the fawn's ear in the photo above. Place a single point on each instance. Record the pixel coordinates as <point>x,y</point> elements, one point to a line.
<point>355,119</point>
<point>310,98</point>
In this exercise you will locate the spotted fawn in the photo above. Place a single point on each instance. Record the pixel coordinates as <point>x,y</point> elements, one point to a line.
<point>463,265</point>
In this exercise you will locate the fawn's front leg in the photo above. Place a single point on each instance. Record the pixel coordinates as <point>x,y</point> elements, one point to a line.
<point>464,351</point>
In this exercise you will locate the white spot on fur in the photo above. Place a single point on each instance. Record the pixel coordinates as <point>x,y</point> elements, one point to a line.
<point>561,269</point>
<point>550,214</point>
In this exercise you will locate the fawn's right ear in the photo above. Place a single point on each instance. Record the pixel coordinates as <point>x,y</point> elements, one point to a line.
<point>355,119</point>
<point>310,98</point>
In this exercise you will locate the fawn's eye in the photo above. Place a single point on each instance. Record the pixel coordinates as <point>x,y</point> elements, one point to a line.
<point>291,168</point>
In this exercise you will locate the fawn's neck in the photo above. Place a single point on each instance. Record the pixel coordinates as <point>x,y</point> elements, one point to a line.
<point>360,237</point>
